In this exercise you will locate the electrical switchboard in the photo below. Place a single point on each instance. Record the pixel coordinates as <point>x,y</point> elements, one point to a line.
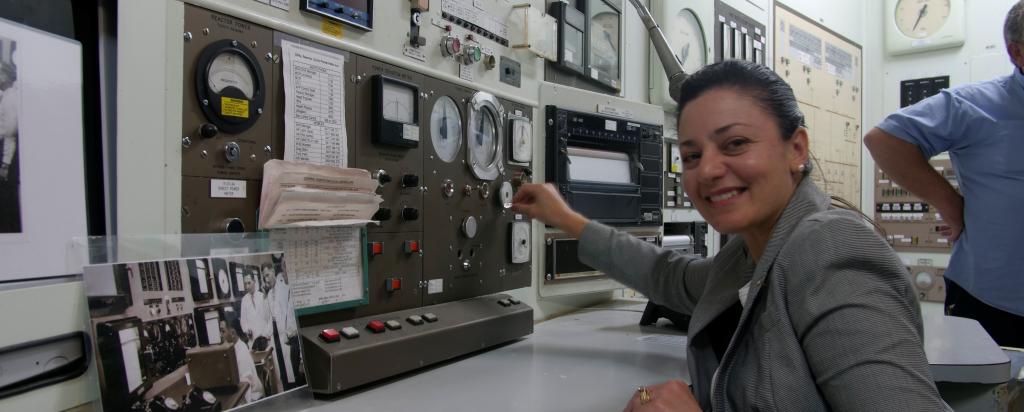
<point>911,224</point>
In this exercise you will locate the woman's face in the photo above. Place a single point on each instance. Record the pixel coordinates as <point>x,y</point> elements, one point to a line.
<point>737,170</point>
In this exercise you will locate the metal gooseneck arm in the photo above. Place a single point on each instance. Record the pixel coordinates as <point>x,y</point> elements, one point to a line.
<point>673,67</point>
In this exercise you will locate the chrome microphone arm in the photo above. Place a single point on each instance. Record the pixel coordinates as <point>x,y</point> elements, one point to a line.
<point>673,67</point>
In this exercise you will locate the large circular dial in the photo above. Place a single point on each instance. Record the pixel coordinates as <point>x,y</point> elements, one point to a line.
<point>446,129</point>
<point>919,19</point>
<point>687,38</point>
<point>483,141</point>
<point>483,136</point>
<point>231,69</point>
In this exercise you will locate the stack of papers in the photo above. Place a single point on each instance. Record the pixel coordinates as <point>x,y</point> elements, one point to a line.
<point>301,195</point>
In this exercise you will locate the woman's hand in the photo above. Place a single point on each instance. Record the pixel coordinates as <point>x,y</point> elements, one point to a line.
<point>674,396</point>
<point>542,202</point>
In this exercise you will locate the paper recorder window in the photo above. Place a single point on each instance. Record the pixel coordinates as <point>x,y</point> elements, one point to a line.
<point>600,166</point>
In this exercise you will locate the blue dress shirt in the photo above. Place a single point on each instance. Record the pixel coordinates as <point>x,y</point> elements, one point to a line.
<point>981,125</point>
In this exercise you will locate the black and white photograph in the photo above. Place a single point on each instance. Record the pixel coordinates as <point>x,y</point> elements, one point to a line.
<point>10,105</point>
<point>172,335</point>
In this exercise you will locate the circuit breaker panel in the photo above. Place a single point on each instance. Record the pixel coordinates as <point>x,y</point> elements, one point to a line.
<point>911,224</point>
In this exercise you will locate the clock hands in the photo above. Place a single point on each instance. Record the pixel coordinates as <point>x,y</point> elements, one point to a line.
<point>920,14</point>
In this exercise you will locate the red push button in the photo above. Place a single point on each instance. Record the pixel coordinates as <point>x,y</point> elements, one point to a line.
<point>330,335</point>
<point>394,284</point>
<point>376,248</point>
<point>375,326</point>
<point>412,246</point>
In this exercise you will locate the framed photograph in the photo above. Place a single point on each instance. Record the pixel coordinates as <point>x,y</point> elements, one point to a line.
<point>163,343</point>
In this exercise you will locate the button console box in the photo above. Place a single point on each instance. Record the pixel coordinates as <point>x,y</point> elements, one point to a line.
<point>469,325</point>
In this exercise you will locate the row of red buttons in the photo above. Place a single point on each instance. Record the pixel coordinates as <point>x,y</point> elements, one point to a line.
<point>409,246</point>
<point>375,326</point>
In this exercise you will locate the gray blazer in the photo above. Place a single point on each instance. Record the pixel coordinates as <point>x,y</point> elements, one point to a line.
<point>830,322</point>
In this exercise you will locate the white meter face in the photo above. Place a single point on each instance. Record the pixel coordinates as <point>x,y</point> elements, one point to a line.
<point>520,242</point>
<point>231,69</point>
<point>687,38</point>
<point>399,103</point>
<point>482,137</point>
<point>446,129</point>
<point>522,140</point>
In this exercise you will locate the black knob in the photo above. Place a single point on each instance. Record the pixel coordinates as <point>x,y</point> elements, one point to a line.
<point>383,177</point>
<point>410,181</point>
<point>234,225</point>
<point>409,213</point>
<point>382,214</point>
<point>208,130</point>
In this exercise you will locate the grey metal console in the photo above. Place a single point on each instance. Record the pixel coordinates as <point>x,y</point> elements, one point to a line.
<point>457,328</point>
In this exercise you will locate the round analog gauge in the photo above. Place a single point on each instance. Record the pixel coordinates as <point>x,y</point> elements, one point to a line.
<point>484,131</point>
<point>398,103</point>
<point>687,38</point>
<point>230,86</point>
<point>604,41</point>
<point>920,19</point>
<point>522,140</point>
<point>483,142</point>
<point>231,69</point>
<point>223,282</point>
<point>446,129</point>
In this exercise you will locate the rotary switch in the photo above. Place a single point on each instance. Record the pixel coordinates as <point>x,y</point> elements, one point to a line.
<point>232,152</point>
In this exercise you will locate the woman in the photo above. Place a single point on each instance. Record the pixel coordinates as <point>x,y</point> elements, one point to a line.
<point>807,308</point>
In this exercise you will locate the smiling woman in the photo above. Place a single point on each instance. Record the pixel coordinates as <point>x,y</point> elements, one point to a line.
<point>806,309</point>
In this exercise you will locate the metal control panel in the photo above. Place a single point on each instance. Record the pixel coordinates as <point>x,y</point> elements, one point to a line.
<point>447,159</point>
<point>911,224</point>
<point>342,355</point>
<point>226,134</point>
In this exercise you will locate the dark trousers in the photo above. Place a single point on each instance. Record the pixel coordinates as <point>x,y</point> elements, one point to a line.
<point>1006,328</point>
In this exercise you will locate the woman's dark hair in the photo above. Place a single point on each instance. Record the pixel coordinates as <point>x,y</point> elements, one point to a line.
<point>770,91</point>
<point>773,93</point>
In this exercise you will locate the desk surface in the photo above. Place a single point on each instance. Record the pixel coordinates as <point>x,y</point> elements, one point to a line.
<point>591,360</point>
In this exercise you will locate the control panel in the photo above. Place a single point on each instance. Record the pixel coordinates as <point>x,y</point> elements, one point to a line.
<point>608,169</point>
<point>928,282</point>
<point>341,355</point>
<point>447,158</point>
<point>225,135</point>
<point>911,224</point>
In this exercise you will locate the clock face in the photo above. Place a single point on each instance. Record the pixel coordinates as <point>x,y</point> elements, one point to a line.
<point>687,40</point>
<point>920,19</point>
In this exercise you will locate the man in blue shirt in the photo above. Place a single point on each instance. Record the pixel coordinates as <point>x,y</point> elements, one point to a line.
<point>981,125</point>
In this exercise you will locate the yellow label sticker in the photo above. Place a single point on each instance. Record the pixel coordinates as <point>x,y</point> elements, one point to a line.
<point>331,28</point>
<point>234,107</point>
